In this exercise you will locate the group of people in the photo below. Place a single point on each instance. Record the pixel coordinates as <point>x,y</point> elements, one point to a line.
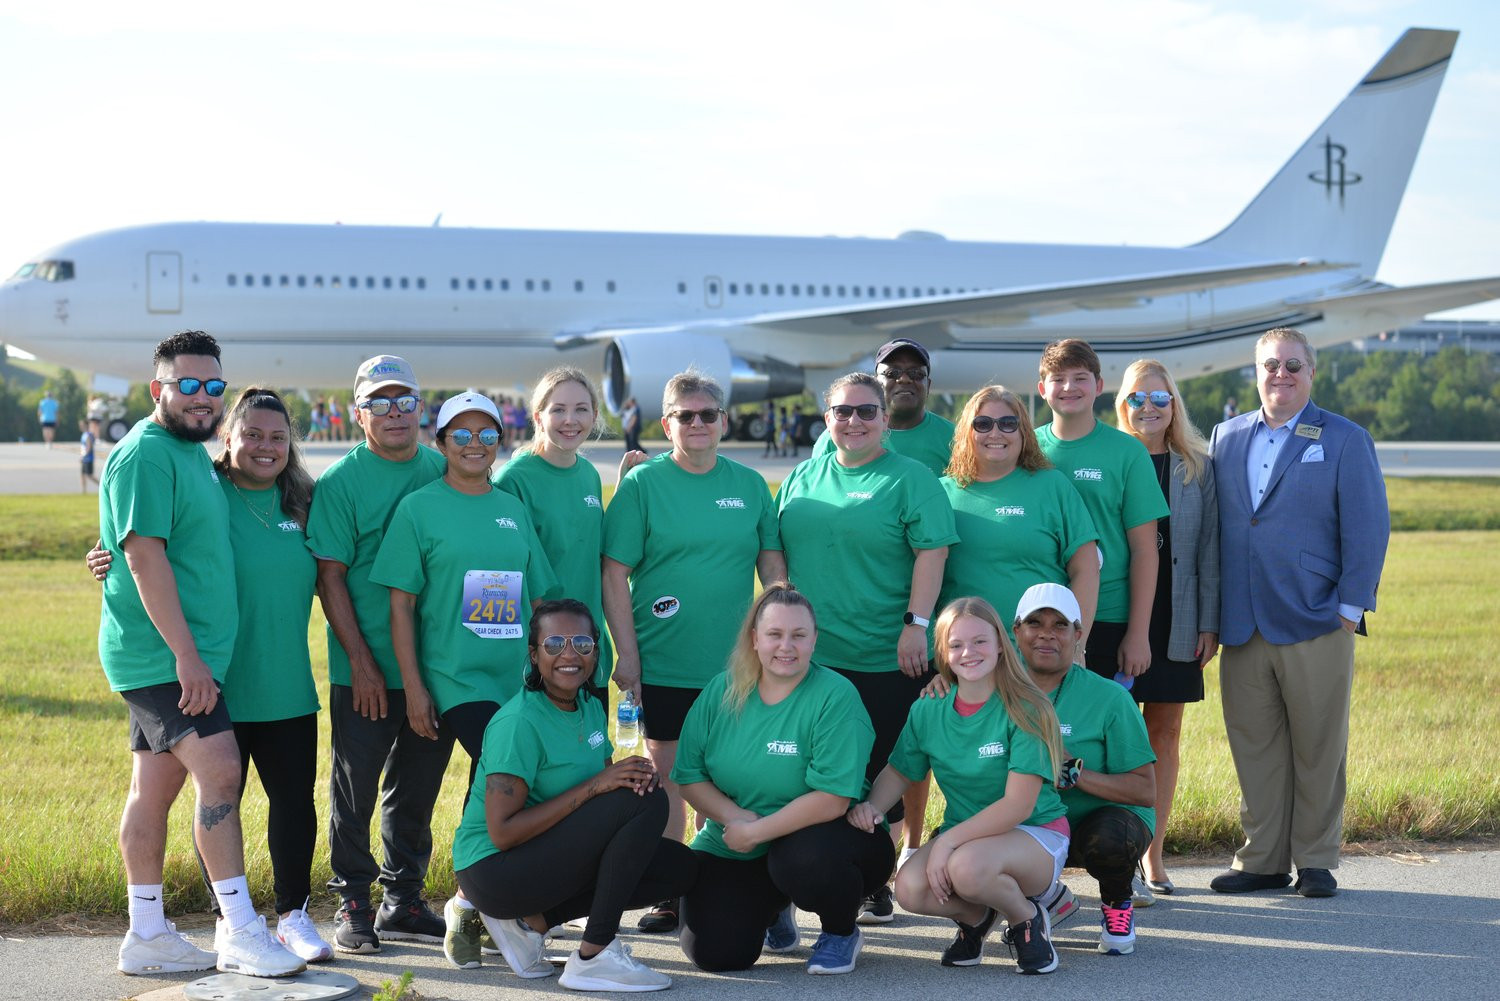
<point>1046,582</point>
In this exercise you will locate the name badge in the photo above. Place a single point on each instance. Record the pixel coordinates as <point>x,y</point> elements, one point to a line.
<point>1312,431</point>
<point>492,604</point>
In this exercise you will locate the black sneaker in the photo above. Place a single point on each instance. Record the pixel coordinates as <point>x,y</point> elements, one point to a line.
<point>968,944</point>
<point>412,922</point>
<point>354,928</point>
<point>661,918</point>
<point>1030,943</point>
<point>878,908</point>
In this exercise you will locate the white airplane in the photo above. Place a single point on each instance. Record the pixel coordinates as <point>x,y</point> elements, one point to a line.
<point>301,305</point>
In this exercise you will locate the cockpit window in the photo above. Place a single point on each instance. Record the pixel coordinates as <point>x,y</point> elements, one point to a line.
<point>24,271</point>
<point>48,271</point>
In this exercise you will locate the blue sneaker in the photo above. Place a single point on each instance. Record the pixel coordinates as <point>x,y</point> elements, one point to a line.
<point>783,935</point>
<point>835,953</point>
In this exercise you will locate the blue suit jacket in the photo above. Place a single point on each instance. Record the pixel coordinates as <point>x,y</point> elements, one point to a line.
<point>1317,540</point>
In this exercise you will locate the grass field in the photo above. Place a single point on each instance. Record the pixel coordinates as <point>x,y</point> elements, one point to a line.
<point>1424,763</point>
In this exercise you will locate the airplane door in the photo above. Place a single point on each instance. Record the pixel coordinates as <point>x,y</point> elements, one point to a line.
<point>163,282</point>
<point>713,292</point>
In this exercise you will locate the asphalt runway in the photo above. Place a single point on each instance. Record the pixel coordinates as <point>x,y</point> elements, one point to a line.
<point>1404,926</point>
<point>32,468</point>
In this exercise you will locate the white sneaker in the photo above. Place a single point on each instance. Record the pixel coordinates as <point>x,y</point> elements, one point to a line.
<point>520,945</point>
<point>1059,903</point>
<point>297,932</point>
<point>613,969</point>
<point>1140,893</point>
<point>254,951</point>
<point>168,952</point>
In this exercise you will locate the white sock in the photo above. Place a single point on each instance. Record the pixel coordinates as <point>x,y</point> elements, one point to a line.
<point>462,903</point>
<point>147,919</point>
<point>234,902</point>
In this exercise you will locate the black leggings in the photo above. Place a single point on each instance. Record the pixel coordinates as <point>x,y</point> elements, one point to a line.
<point>466,722</point>
<point>605,857</point>
<point>887,697</point>
<point>1108,842</point>
<point>826,869</point>
<point>285,752</point>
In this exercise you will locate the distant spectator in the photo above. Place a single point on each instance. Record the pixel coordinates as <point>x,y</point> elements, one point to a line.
<point>46,412</point>
<point>1231,408</point>
<point>86,453</point>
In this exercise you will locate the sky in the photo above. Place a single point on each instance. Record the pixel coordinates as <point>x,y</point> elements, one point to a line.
<point>1149,123</point>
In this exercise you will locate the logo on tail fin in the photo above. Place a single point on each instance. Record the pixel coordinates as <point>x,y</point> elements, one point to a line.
<point>1334,174</point>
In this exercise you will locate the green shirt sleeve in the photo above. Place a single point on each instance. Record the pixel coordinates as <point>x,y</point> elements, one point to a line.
<point>1143,500</point>
<point>842,740</point>
<point>625,524</point>
<point>399,562</point>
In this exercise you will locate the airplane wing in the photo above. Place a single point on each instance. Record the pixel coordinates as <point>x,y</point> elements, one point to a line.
<point>1396,307</point>
<point>992,308</point>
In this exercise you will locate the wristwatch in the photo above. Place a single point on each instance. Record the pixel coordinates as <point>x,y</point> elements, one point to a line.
<point>913,619</point>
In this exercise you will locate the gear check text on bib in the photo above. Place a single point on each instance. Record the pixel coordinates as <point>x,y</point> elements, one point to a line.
<point>492,604</point>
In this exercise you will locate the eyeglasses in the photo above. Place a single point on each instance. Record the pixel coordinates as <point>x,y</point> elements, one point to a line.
<point>488,437</point>
<point>984,425</point>
<point>554,645</point>
<point>916,374</point>
<point>708,416</point>
<point>380,406</point>
<point>190,387</point>
<point>843,411</point>
<point>1273,365</point>
<point>1159,398</point>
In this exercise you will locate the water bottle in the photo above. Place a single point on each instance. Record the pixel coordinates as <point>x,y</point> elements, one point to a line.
<point>628,723</point>
<point>1127,681</point>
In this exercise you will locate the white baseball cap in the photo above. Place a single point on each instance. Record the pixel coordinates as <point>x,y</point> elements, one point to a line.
<point>1053,596</point>
<point>381,371</point>
<point>462,404</point>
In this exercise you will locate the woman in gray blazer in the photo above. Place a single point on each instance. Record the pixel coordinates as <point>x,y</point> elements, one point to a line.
<point>1184,630</point>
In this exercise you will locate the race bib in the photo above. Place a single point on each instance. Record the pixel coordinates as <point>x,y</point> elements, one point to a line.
<point>492,604</point>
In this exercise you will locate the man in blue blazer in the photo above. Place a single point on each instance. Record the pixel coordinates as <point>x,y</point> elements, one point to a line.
<point>1303,527</point>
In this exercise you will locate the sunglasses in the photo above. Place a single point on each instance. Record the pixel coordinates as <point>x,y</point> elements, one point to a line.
<point>918,374</point>
<point>843,411</point>
<point>380,406</point>
<point>1273,365</point>
<point>554,645</point>
<point>189,387</point>
<point>1159,398</point>
<point>488,437</point>
<point>984,425</point>
<point>685,417</point>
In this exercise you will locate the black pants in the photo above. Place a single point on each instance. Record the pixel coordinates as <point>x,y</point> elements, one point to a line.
<point>285,752</point>
<point>1108,843</point>
<point>826,869</point>
<point>887,697</point>
<point>605,857</point>
<point>466,723</point>
<point>384,757</point>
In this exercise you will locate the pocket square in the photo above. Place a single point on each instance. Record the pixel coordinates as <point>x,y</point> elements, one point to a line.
<point>1314,453</point>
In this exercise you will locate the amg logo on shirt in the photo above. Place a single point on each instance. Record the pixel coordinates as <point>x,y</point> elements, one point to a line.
<point>1088,474</point>
<point>509,523</point>
<point>860,494</point>
<point>731,502</point>
<point>1011,511</point>
<point>290,525</point>
<point>592,501</point>
<point>596,738</point>
<point>994,749</point>
<point>784,748</point>
<point>1066,729</point>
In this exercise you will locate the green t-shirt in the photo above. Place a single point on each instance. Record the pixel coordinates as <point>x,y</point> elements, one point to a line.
<point>548,749</point>
<point>849,535</point>
<point>354,502</point>
<point>972,756</point>
<point>1017,531</point>
<point>567,508</point>
<point>818,738</point>
<point>1101,725</point>
<point>691,540</point>
<point>475,564</point>
<point>159,486</point>
<point>1113,474</point>
<point>270,675</point>
<point>930,443</point>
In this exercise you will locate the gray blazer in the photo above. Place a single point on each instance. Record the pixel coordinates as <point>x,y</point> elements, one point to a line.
<point>1195,558</point>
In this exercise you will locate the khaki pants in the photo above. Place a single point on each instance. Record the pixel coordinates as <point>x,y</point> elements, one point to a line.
<point>1286,710</point>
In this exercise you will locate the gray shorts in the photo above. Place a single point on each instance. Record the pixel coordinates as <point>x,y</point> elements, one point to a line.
<point>156,724</point>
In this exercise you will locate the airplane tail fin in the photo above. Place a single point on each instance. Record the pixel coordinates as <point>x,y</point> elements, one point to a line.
<point>1336,198</point>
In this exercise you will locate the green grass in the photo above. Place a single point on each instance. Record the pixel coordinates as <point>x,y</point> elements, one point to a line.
<point>1423,761</point>
<point>1444,504</point>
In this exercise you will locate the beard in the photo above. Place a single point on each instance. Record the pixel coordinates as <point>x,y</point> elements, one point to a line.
<point>179,426</point>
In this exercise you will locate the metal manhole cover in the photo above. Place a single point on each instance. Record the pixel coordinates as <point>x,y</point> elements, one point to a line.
<point>310,985</point>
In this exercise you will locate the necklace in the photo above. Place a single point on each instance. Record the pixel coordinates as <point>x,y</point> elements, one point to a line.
<point>264,519</point>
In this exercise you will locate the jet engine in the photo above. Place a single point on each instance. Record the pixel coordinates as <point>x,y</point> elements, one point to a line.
<point>639,365</point>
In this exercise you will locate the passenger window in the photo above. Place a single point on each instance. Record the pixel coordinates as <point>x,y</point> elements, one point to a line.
<point>453,284</point>
<point>369,281</point>
<point>385,282</point>
<point>505,284</point>
<point>302,281</point>
<point>546,284</point>
<point>609,286</point>
<point>285,281</point>
<point>765,289</point>
<point>471,285</point>
<point>233,280</point>
<point>682,288</point>
<point>578,285</point>
<point>318,281</point>
<point>265,281</point>
<point>421,283</point>
<point>405,282</point>
<point>530,285</point>
<point>780,289</point>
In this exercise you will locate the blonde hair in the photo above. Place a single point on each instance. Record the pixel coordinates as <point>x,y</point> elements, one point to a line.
<point>1026,704</point>
<point>542,394</point>
<point>864,379</point>
<point>1182,437</point>
<point>964,464</point>
<point>744,664</point>
<point>1288,334</point>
